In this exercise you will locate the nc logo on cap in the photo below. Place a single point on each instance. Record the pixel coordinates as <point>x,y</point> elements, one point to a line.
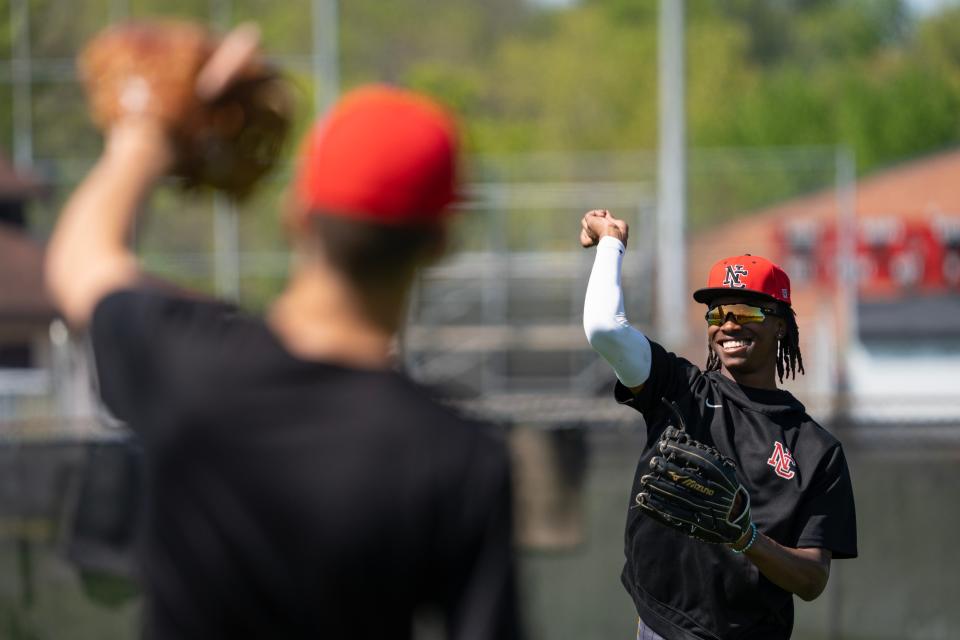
<point>734,273</point>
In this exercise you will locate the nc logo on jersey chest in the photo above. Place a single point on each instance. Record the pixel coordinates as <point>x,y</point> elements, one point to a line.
<point>781,460</point>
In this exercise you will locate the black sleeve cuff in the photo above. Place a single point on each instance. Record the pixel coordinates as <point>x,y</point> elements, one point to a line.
<point>623,395</point>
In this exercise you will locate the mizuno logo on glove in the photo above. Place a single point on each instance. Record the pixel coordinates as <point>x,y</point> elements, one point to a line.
<point>690,483</point>
<point>693,488</point>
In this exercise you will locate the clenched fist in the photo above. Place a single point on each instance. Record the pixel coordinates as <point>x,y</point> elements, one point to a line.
<point>598,223</point>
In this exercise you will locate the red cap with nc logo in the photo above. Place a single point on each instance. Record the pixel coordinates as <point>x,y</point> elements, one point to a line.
<point>748,275</point>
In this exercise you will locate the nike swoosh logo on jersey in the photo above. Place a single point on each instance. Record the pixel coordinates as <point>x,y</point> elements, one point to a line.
<point>713,406</point>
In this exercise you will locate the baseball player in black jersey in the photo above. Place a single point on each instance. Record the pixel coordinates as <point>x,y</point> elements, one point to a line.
<point>794,471</point>
<point>297,486</point>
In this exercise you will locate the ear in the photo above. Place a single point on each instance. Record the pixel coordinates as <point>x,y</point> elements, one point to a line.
<point>781,329</point>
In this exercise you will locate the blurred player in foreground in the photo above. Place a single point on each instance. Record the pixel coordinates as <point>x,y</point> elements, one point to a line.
<point>297,486</point>
<point>796,511</point>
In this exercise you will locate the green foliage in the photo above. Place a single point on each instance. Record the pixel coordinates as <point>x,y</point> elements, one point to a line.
<point>286,28</point>
<point>896,114</point>
<point>899,101</point>
<point>760,73</point>
<point>186,9</point>
<point>938,41</point>
<point>814,31</point>
<point>627,12</point>
<point>576,86</point>
<point>58,33</point>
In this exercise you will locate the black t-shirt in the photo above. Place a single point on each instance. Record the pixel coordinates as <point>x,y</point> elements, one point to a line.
<point>800,492</point>
<point>297,499</point>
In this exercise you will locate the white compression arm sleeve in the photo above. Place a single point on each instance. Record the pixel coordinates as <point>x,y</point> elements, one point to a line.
<point>605,323</point>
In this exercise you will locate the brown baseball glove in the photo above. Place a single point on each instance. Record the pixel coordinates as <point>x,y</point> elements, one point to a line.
<point>226,110</point>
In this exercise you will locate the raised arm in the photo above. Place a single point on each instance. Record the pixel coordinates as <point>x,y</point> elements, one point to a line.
<point>604,320</point>
<point>88,255</point>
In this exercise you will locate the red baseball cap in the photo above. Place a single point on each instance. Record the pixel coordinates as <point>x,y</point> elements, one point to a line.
<point>748,275</point>
<point>380,154</point>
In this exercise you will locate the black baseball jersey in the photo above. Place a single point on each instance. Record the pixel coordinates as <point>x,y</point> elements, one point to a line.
<point>800,491</point>
<point>299,499</point>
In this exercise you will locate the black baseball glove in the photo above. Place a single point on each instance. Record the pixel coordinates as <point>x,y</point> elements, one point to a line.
<point>694,488</point>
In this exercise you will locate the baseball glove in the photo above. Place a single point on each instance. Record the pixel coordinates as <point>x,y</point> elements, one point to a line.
<point>226,111</point>
<point>694,488</point>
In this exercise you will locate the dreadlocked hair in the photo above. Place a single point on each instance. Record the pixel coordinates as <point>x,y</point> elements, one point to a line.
<point>713,360</point>
<point>789,358</point>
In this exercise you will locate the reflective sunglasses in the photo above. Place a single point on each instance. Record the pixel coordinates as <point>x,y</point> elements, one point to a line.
<point>742,313</point>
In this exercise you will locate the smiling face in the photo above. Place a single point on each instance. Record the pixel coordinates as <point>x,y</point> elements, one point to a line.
<point>748,351</point>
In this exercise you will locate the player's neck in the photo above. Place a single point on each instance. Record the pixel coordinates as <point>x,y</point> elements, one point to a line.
<point>320,316</point>
<point>759,379</point>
